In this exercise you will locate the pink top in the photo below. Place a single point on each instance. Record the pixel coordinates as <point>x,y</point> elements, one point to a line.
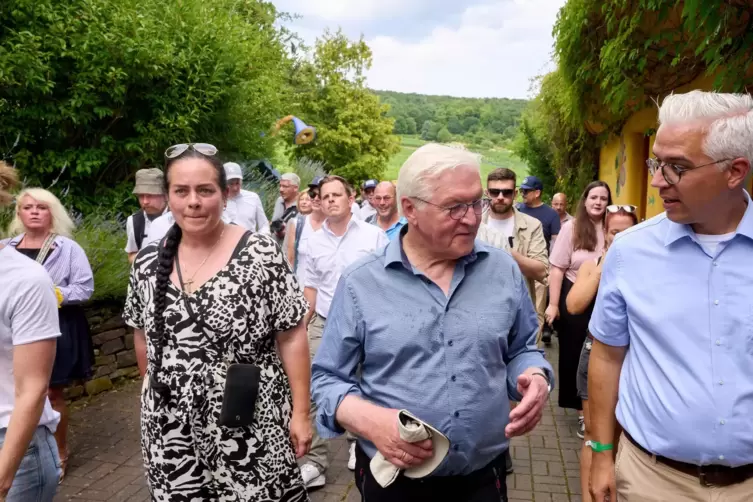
<point>570,261</point>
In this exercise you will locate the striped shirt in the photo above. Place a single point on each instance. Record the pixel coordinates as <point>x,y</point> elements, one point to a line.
<point>68,267</point>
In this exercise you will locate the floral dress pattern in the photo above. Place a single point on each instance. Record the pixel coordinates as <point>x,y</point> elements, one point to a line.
<point>187,455</point>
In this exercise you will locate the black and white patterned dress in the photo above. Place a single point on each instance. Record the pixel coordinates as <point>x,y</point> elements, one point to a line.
<point>187,455</point>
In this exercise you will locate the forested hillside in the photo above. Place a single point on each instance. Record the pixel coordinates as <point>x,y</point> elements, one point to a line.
<point>487,121</point>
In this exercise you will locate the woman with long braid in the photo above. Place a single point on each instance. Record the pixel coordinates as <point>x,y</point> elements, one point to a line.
<point>207,299</point>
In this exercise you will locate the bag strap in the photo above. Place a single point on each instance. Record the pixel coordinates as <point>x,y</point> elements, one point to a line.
<point>299,223</point>
<point>139,225</point>
<point>46,248</point>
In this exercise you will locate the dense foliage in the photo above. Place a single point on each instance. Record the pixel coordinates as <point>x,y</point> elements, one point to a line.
<point>354,133</point>
<point>92,90</point>
<point>442,118</point>
<point>615,57</point>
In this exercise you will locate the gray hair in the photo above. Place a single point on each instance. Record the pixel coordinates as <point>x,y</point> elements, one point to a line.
<point>291,177</point>
<point>728,118</point>
<point>427,163</point>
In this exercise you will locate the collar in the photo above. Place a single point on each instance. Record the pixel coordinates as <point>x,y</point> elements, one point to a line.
<point>677,231</point>
<point>394,253</point>
<point>17,239</point>
<point>353,222</point>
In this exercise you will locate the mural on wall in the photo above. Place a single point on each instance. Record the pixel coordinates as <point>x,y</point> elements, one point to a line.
<point>620,167</point>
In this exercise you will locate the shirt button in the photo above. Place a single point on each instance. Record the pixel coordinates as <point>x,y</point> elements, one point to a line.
<point>722,421</point>
<point>721,382</point>
<point>457,414</point>
<point>449,343</point>
<point>716,302</point>
<point>453,378</point>
<point>455,447</point>
<point>716,264</point>
<point>718,342</point>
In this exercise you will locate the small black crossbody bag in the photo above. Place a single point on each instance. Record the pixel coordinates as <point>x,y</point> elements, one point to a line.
<point>241,382</point>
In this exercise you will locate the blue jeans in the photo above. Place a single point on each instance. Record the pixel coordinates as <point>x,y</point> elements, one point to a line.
<point>37,477</point>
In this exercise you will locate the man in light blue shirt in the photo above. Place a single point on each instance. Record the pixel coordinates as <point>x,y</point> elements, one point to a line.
<point>442,326</point>
<point>673,320</point>
<point>386,216</point>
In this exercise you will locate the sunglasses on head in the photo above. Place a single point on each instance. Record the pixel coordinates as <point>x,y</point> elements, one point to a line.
<point>203,148</point>
<point>495,192</point>
<point>616,208</point>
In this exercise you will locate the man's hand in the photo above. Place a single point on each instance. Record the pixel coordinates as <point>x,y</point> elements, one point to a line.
<point>386,437</point>
<point>301,434</point>
<point>602,483</point>
<point>525,416</point>
<point>551,314</point>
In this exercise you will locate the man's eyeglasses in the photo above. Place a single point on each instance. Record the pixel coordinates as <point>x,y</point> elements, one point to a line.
<point>495,192</point>
<point>616,208</point>
<point>378,199</point>
<point>672,173</point>
<point>203,148</point>
<point>458,211</point>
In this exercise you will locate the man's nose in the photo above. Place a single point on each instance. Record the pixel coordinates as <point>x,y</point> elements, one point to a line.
<point>658,181</point>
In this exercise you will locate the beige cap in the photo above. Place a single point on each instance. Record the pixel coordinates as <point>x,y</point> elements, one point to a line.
<point>149,182</point>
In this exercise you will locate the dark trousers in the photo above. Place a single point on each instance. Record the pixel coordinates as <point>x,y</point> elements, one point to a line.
<point>487,484</point>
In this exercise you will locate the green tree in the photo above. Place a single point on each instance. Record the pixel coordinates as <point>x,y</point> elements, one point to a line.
<point>400,126</point>
<point>444,136</point>
<point>354,133</point>
<point>455,126</point>
<point>430,130</point>
<point>92,90</point>
<point>410,126</point>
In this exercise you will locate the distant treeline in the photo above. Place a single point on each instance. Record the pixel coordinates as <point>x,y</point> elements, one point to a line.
<point>490,121</point>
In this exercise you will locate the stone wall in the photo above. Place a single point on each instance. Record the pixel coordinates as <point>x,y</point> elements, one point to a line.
<point>114,357</point>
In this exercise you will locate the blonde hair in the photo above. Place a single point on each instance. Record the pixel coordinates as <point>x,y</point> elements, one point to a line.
<point>61,222</point>
<point>8,182</point>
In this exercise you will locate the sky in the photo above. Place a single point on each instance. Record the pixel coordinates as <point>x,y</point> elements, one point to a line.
<point>468,48</point>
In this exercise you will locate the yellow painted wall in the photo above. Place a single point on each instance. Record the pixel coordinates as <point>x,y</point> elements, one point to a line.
<point>652,201</point>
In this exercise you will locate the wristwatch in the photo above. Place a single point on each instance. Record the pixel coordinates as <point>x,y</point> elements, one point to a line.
<point>548,382</point>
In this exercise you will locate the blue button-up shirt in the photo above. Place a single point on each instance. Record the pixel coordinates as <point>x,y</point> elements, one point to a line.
<point>452,360</point>
<point>686,386</point>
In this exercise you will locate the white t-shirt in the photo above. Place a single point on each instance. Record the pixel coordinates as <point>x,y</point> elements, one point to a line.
<point>247,211</point>
<point>367,210</point>
<point>711,242</point>
<point>131,246</point>
<point>328,255</point>
<point>355,210</point>
<point>506,227</point>
<point>28,313</point>
<point>306,233</point>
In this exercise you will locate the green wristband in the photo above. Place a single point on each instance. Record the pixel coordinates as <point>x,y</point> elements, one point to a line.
<point>598,447</point>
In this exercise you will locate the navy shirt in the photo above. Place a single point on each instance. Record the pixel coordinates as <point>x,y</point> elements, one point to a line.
<point>550,220</point>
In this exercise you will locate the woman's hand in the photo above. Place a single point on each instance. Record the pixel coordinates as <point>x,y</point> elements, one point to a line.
<point>301,434</point>
<point>552,312</point>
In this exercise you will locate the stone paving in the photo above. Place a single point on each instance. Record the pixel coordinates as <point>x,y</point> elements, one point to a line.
<point>106,463</point>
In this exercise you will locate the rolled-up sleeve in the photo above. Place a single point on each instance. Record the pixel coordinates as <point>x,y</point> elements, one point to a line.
<point>609,322</point>
<point>523,352</point>
<point>333,372</point>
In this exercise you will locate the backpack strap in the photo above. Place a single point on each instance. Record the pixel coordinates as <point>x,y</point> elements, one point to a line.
<point>139,225</point>
<point>300,221</point>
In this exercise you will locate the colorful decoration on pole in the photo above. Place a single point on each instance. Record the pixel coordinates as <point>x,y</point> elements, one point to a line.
<point>304,134</point>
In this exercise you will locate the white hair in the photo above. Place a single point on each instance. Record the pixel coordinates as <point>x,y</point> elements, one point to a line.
<point>291,177</point>
<point>60,222</point>
<point>727,118</point>
<point>426,164</point>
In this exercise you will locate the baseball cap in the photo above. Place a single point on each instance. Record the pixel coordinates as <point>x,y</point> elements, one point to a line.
<point>369,184</point>
<point>316,181</point>
<point>233,171</point>
<point>532,183</point>
<point>149,182</point>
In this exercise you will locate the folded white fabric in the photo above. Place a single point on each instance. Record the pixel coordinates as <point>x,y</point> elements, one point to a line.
<point>412,430</point>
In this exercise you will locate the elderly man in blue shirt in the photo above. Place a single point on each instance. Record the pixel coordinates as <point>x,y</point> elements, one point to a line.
<point>673,323</point>
<point>442,326</point>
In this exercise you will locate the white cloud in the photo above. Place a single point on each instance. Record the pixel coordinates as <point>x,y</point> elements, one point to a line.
<point>494,52</point>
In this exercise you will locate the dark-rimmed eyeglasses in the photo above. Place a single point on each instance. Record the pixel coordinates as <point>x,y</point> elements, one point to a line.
<point>179,149</point>
<point>313,194</point>
<point>672,173</point>
<point>505,192</point>
<point>458,211</point>
<point>616,208</point>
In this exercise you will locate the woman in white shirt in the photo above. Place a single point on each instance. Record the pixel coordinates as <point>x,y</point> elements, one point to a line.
<point>295,249</point>
<point>29,460</point>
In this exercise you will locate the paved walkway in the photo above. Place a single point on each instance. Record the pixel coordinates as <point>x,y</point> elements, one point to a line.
<point>106,460</point>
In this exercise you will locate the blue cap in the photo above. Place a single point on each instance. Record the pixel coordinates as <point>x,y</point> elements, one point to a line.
<point>316,181</point>
<point>369,184</point>
<point>532,183</point>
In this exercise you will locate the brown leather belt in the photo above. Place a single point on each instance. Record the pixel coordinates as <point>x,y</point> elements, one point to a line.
<point>708,475</point>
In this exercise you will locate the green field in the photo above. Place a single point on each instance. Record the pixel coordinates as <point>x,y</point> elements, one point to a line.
<point>492,159</point>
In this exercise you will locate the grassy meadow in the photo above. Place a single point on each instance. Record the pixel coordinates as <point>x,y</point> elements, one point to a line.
<point>492,159</point>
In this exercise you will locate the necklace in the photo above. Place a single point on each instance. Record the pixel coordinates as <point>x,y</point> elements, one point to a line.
<point>187,285</point>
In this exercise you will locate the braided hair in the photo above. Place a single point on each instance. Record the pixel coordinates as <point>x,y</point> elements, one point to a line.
<point>166,252</point>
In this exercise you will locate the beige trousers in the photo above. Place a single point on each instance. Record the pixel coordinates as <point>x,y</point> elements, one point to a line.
<point>640,478</point>
<point>318,453</point>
